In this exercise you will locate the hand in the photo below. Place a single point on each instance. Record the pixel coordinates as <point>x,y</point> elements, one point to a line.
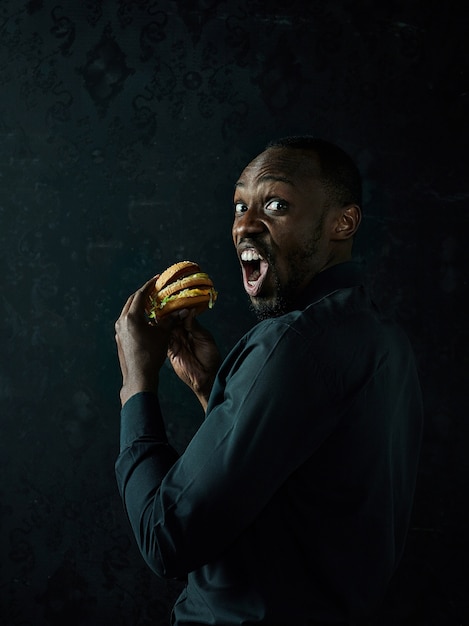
<point>194,356</point>
<point>141,346</point>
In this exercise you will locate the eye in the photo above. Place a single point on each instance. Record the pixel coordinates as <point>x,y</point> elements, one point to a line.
<point>240,207</point>
<point>276,206</point>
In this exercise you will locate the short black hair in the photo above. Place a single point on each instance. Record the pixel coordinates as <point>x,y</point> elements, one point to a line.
<point>339,173</point>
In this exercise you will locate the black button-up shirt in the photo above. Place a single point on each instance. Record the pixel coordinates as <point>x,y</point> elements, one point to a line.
<point>292,501</point>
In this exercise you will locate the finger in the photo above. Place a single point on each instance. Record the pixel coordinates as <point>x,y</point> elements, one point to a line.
<point>174,345</point>
<point>188,319</point>
<point>140,296</point>
<point>126,306</point>
<point>131,298</point>
<point>192,324</point>
<point>177,333</point>
<point>180,314</point>
<point>166,323</point>
<point>173,320</point>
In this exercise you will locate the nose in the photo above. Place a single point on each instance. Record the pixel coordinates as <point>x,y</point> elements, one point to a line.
<point>247,223</point>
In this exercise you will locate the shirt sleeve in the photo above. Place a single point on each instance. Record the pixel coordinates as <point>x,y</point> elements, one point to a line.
<point>265,418</point>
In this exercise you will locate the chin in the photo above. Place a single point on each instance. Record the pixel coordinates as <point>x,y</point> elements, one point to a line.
<point>264,308</point>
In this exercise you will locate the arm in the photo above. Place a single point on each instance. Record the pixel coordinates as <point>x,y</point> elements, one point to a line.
<point>142,349</point>
<point>259,428</point>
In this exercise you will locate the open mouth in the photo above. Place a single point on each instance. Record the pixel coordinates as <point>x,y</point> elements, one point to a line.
<point>255,269</point>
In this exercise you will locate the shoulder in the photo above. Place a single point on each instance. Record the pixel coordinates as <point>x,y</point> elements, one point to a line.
<point>334,333</point>
<point>334,313</point>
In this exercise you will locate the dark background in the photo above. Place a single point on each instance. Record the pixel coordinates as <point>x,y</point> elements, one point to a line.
<point>123,128</point>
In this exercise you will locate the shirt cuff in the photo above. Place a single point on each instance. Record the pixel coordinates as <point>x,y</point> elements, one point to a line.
<point>141,417</point>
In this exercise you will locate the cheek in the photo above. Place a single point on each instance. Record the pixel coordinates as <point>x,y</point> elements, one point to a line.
<point>233,233</point>
<point>285,243</point>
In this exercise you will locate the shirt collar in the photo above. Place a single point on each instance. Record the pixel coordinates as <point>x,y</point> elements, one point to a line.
<point>340,276</point>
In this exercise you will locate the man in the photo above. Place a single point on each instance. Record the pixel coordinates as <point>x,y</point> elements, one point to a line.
<point>291,503</point>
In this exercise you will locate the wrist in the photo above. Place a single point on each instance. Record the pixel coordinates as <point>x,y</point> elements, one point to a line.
<point>203,399</point>
<point>203,393</point>
<point>137,385</point>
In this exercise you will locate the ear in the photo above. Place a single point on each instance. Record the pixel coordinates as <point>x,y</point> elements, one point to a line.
<point>346,223</point>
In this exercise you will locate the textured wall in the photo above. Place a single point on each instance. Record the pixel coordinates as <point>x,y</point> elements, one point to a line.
<point>123,126</point>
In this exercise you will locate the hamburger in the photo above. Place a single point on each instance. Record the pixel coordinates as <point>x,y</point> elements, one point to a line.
<point>181,286</point>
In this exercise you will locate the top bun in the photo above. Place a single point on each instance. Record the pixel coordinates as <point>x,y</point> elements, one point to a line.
<point>175,272</point>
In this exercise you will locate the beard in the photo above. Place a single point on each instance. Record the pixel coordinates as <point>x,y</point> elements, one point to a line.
<point>285,294</point>
<point>274,306</point>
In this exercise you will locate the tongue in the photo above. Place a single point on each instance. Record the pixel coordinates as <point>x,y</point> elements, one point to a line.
<point>254,275</point>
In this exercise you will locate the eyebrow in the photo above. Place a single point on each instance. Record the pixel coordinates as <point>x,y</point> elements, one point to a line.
<point>270,178</point>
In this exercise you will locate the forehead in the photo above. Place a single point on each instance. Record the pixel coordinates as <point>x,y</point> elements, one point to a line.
<point>289,165</point>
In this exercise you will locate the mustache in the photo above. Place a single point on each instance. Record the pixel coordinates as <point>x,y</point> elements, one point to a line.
<point>263,247</point>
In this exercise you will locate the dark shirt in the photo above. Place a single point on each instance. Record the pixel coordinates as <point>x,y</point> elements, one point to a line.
<point>292,501</point>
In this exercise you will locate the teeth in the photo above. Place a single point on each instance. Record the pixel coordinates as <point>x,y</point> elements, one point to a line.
<point>250,255</point>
